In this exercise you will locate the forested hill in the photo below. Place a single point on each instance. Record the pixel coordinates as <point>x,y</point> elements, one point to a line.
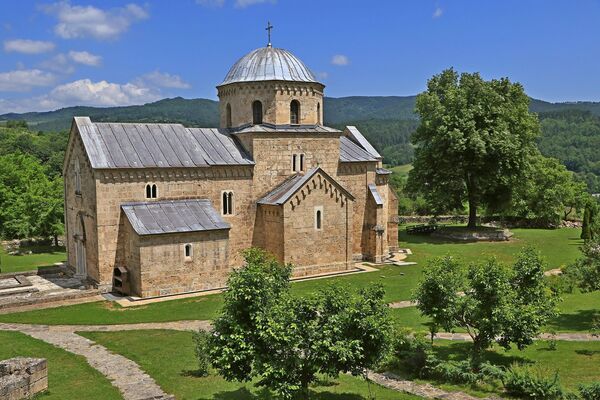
<point>204,112</point>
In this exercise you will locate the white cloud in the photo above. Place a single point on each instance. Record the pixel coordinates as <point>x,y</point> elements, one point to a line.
<point>85,58</point>
<point>27,46</point>
<point>246,3</point>
<point>83,92</point>
<point>162,80</point>
<point>89,21</point>
<point>60,64</point>
<point>340,59</point>
<point>322,75</point>
<point>24,80</point>
<point>211,3</point>
<point>438,12</point>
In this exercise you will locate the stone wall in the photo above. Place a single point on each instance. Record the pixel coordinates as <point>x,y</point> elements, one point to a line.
<point>80,209</point>
<point>117,187</point>
<point>275,98</point>
<point>22,378</point>
<point>165,269</point>
<point>311,249</point>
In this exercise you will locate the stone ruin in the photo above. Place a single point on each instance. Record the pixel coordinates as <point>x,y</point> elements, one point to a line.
<point>22,378</point>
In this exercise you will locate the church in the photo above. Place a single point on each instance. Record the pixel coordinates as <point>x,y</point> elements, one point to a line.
<point>155,209</point>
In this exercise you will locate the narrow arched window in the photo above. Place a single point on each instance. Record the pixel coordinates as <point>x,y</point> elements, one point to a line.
<point>154,192</point>
<point>77,177</point>
<point>295,112</point>
<point>257,113</point>
<point>228,116</point>
<point>148,191</point>
<point>318,113</point>
<point>301,162</point>
<point>187,250</point>
<point>230,203</point>
<point>319,220</point>
<point>225,200</point>
<point>294,157</point>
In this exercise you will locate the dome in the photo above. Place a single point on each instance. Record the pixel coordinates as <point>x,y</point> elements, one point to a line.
<point>269,64</point>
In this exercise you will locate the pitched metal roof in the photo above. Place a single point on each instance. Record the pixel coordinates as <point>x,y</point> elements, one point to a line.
<point>139,145</point>
<point>352,152</point>
<point>358,137</point>
<point>375,194</point>
<point>173,216</point>
<point>291,185</point>
<point>382,171</point>
<point>269,64</point>
<point>271,128</point>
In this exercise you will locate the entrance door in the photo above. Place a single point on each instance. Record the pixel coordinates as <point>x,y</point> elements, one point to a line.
<point>80,266</point>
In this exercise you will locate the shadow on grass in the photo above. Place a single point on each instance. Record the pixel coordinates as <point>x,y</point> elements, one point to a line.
<point>40,249</point>
<point>460,351</point>
<point>586,352</point>
<point>245,394</point>
<point>578,321</point>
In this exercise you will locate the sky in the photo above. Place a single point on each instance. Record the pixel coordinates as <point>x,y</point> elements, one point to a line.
<point>55,54</point>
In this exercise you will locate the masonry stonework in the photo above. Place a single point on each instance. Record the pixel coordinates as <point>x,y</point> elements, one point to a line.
<point>247,162</point>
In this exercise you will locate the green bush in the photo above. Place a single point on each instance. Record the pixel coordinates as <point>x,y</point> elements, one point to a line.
<point>454,372</point>
<point>201,349</point>
<point>530,382</point>
<point>414,351</point>
<point>590,391</point>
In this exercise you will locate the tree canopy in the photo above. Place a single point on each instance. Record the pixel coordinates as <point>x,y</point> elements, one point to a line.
<point>491,302</point>
<point>473,143</point>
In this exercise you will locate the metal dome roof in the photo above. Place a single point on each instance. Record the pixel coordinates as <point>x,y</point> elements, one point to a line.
<point>269,64</point>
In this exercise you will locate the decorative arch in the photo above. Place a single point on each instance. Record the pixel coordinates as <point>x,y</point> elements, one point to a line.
<point>318,113</point>
<point>228,122</point>
<point>80,251</point>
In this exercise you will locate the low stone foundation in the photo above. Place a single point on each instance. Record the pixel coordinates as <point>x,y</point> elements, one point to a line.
<point>479,235</point>
<point>22,378</point>
<point>309,270</point>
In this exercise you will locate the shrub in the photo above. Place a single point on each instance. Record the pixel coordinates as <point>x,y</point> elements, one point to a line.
<point>414,351</point>
<point>455,372</point>
<point>201,349</point>
<point>530,382</point>
<point>590,391</point>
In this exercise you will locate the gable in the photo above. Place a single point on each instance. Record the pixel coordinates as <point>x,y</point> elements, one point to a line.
<point>298,182</point>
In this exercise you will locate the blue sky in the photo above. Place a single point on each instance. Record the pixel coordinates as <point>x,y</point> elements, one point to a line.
<point>61,53</point>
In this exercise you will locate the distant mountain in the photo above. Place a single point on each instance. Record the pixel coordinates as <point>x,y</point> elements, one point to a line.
<point>204,112</point>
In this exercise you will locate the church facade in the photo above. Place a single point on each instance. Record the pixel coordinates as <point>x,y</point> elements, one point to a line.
<point>161,209</point>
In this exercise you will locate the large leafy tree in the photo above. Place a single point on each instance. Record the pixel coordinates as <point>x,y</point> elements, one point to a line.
<point>473,143</point>
<point>285,341</point>
<point>547,192</point>
<point>31,203</point>
<point>491,302</point>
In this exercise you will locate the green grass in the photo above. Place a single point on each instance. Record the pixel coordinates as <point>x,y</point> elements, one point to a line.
<point>69,375</point>
<point>402,170</point>
<point>41,256</point>
<point>559,247</point>
<point>168,357</point>
<point>576,362</point>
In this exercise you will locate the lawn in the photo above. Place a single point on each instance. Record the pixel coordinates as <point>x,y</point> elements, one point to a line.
<point>576,362</point>
<point>401,170</point>
<point>168,357</point>
<point>69,375</point>
<point>559,247</point>
<point>41,256</point>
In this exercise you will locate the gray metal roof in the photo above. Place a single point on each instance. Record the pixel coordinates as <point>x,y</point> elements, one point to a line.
<point>352,152</point>
<point>174,216</point>
<point>291,185</point>
<point>125,145</point>
<point>270,128</point>
<point>382,171</point>
<point>375,194</point>
<point>269,64</point>
<point>358,137</point>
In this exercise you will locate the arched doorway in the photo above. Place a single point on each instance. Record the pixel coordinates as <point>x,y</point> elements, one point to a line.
<point>80,253</point>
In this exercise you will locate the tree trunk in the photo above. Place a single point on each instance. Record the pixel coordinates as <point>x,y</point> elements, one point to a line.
<point>55,240</point>
<point>472,213</point>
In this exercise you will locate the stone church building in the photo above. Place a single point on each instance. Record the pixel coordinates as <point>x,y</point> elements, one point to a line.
<point>160,209</point>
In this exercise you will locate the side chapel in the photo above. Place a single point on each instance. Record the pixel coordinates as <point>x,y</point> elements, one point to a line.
<point>160,209</point>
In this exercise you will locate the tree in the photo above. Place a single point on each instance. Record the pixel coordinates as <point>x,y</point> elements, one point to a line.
<point>285,341</point>
<point>473,143</point>
<point>491,302</point>
<point>585,272</point>
<point>31,204</point>
<point>547,192</point>
<point>590,222</point>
